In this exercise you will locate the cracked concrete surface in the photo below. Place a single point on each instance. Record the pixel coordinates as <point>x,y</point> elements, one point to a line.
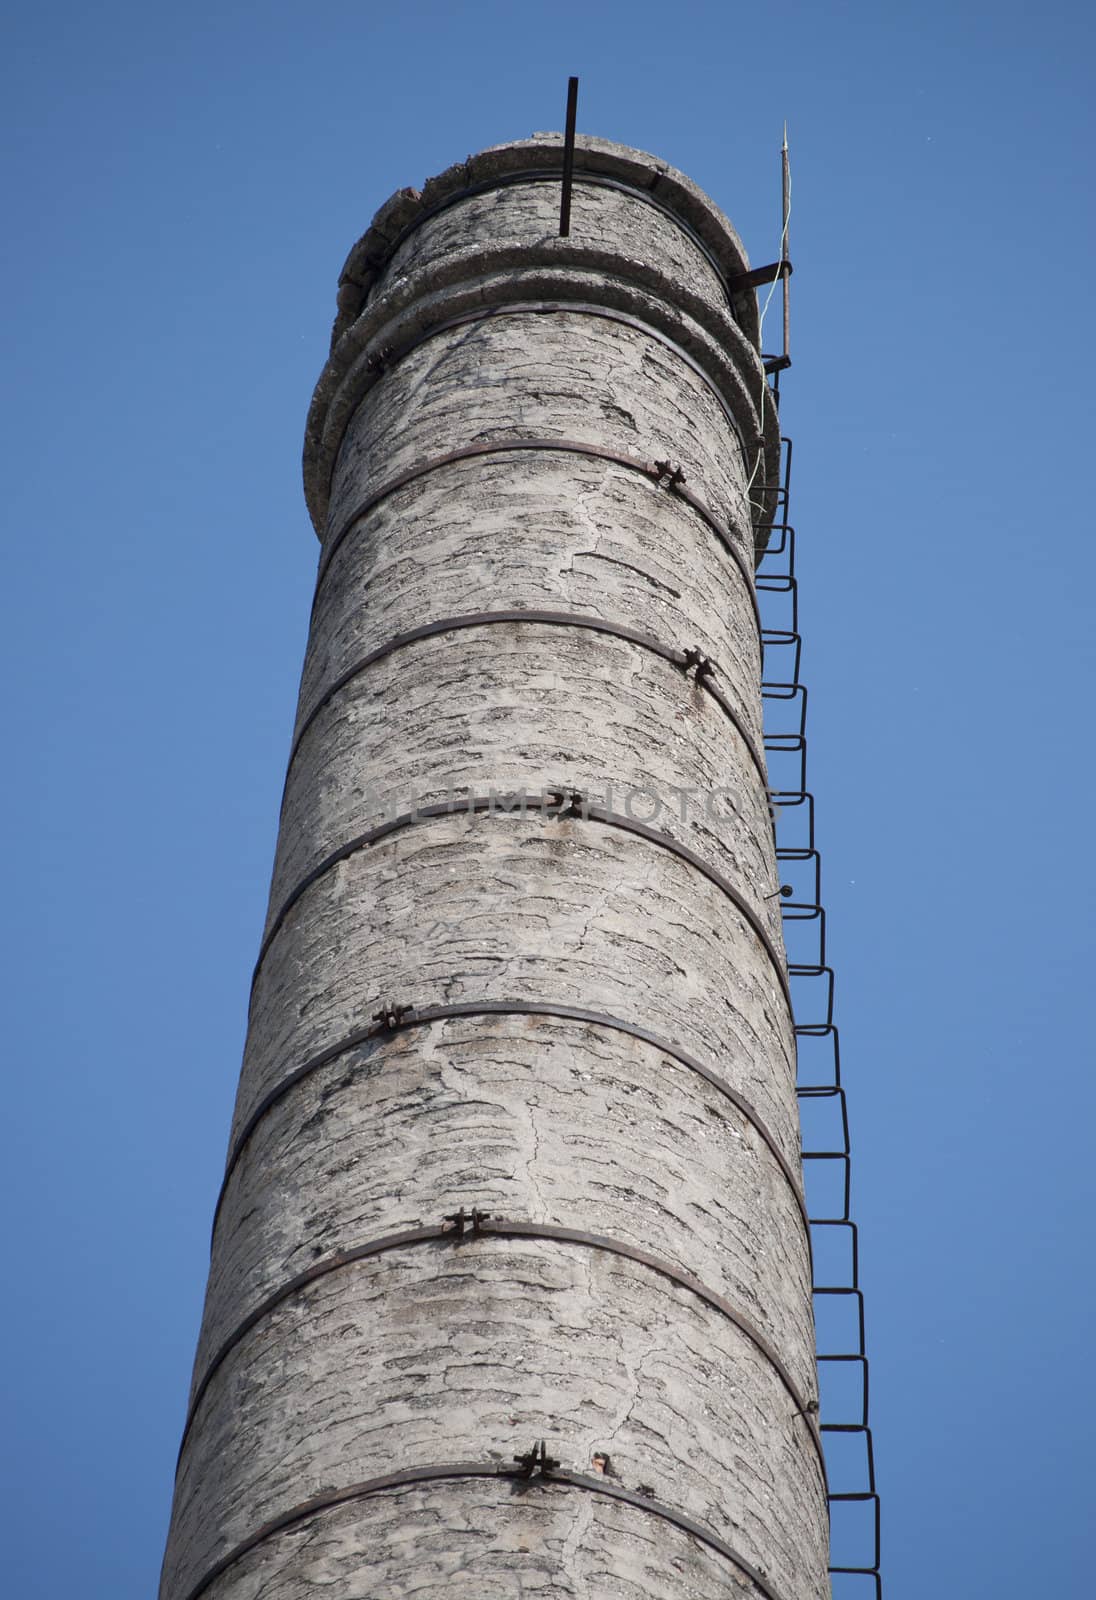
<point>444,1352</point>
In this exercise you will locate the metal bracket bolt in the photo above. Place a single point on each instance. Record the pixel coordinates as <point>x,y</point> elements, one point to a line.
<point>379,360</point>
<point>666,471</point>
<point>463,1221</point>
<point>699,664</point>
<point>390,1016</point>
<point>536,1463</point>
<point>569,803</point>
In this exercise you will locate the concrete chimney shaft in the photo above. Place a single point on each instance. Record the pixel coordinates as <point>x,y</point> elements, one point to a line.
<point>607,1063</point>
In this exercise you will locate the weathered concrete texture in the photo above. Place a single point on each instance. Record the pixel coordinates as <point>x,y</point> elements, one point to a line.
<point>512,706</point>
<point>532,375</point>
<point>447,1352</point>
<point>554,1543</point>
<point>444,1352</point>
<point>617,223</point>
<point>379,307</point>
<point>616,162</point>
<point>549,532</point>
<point>543,1119</point>
<point>434,304</point>
<point>499,908</point>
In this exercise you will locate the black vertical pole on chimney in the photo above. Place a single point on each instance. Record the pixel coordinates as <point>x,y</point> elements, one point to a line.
<point>568,158</point>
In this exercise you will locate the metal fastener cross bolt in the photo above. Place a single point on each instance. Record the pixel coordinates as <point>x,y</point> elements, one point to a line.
<point>390,1016</point>
<point>537,1461</point>
<point>696,661</point>
<point>666,470</point>
<point>460,1220</point>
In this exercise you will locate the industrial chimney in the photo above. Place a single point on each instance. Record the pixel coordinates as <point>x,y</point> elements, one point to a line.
<point>511,1288</point>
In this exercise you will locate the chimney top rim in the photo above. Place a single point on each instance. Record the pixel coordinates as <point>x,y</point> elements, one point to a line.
<point>626,163</point>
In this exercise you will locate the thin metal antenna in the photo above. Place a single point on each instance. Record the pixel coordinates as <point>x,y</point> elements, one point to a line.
<point>786,207</point>
<point>780,269</point>
<point>568,158</point>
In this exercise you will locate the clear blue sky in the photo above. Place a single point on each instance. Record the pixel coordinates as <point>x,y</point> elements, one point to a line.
<point>181,187</point>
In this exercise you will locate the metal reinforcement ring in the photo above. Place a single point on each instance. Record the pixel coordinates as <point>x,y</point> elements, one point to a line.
<point>569,805</point>
<point>661,473</point>
<point>385,357</point>
<point>454,1230</point>
<point>540,1470</point>
<point>392,1019</point>
<point>687,660</point>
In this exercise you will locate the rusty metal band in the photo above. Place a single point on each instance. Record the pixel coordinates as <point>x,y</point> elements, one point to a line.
<point>415,1017</point>
<point>492,805</point>
<point>593,180</point>
<point>491,447</point>
<point>501,1228</point>
<point>555,619</point>
<point>562,1477</point>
